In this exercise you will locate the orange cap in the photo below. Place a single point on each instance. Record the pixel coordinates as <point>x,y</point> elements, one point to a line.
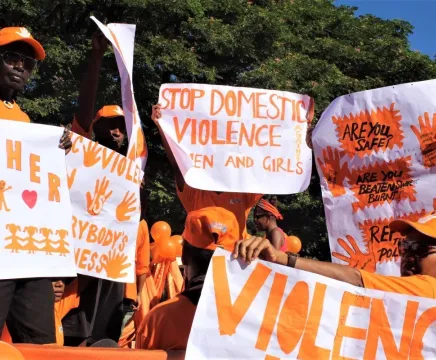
<point>9,35</point>
<point>109,111</point>
<point>201,224</point>
<point>426,225</point>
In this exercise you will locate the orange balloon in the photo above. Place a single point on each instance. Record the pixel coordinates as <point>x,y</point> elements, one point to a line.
<point>168,248</point>
<point>160,231</point>
<point>293,244</point>
<point>8,352</point>
<point>179,241</point>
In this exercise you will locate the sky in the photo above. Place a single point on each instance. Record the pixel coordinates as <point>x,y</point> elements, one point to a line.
<point>420,13</point>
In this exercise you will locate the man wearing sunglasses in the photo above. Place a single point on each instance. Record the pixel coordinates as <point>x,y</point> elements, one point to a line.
<point>418,260</point>
<point>25,304</point>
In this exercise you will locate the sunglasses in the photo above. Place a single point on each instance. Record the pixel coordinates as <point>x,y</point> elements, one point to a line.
<point>13,58</point>
<point>418,248</point>
<point>257,217</point>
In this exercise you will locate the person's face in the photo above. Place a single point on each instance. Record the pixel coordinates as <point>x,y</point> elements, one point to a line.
<point>261,218</point>
<point>16,65</point>
<point>58,288</point>
<point>110,132</point>
<point>418,255</point>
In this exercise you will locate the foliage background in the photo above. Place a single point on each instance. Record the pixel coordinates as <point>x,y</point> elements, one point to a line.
<point>304,46</point>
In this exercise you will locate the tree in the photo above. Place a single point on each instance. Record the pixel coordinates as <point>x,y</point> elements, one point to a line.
<point>303,46</point>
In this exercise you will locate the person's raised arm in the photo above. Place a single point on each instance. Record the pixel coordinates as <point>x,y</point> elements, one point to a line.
<point>89,84</point>
<point>250,249</point>
<point>155,116</point>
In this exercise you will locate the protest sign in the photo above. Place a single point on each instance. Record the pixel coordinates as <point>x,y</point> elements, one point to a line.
<point>238,139</point>
<point>104,191</point>
<point>35,209</point>
<point>122,37</point>
<point>376,157</point>
<point>267,311</point>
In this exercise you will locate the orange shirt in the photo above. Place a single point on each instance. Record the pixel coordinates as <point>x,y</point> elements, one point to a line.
<point>142,258</point>
<point>167,325</point>
<point>12,112</point>
<point>239,204</point>
<point>417,285</point>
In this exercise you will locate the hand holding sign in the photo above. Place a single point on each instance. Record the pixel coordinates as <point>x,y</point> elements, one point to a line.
<point>95,204</point>
<point>126,206</point>
<point>357,259</point>
<point>250,249</point>
<point>427,138</point>
<point>332,170</point>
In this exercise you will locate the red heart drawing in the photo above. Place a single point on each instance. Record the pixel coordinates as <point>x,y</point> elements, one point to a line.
<point>29,197</point>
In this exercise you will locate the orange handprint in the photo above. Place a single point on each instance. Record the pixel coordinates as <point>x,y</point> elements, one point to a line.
<point>91,154</point>
<point>71,177</point>
<point>115,264</point>
<point>357,259</point>
<point>126,206</point>
<point>332,170</point>
<point>95,205</point>
<point>427,138</point>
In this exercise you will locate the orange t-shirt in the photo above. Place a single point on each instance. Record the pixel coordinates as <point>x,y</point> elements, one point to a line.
<point>167,325</point>
<point>239,204</point>
<point>417,285</point>
<point>12,113</point>
<point>142,258</point>
<point>70,300</point>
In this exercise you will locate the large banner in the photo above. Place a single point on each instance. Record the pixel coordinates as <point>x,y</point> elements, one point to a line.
<point>35,208</point>
<point>104,190</point>
<point>122,37</point>
<point>267,311</point>
<point>238,139</point>
<point>376,157</point>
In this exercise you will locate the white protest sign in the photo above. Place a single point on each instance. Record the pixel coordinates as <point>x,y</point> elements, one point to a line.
<point>122,37</point>
<point>238,139</point>
<point>376,157</point>
<point>35,208</point>
<point>104,190</point>
<point>267,311</point>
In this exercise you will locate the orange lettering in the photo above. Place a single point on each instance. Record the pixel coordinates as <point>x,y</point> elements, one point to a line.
<point>272,136</point>
<point>212,102</point>
<point>34,168</point>
<point>105,160</point>
<point>215,139</point>
<point>257,112</point>
<point>73,225</point>
<point>229,133</point>
<point>13,151</point>
<point>427,318</point>
<point>92,237</point>
<point>83,225</point>
<point>53,187</point>
<point>74,147</point>
<point>122,166</point>
<point>230,315</point>
<point>83,258</point>
<point>180,133</point>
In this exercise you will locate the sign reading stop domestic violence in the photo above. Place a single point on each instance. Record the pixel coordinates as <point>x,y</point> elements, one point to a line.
<point>238,139</point>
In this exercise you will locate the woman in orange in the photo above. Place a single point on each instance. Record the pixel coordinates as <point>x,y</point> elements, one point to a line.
<point>266,216</point>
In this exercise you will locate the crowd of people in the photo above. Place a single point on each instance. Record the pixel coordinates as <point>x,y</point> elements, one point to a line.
<point>86,311</point>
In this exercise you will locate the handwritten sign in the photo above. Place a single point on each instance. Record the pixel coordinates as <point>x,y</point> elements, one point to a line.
<point>122,37</point>
<point>104,190</point>
<point>376,157</point>
<point>238,139</point>
<point>267,311</point>
<point>35,209</point>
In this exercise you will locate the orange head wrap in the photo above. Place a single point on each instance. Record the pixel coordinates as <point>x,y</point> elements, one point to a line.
<point>267,206</point>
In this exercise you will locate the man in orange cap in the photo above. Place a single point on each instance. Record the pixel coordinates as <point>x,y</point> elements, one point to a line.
<point>167,326</point>
<point>26,304</point>
<point>418,260</point>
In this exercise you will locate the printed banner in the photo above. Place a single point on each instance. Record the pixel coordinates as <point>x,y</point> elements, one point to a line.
<point>238,139</point>
<point>267,311</point>
<point>122,37</point>
<point>35,208</point>
<point>104,190</point>
<point>376,157</point>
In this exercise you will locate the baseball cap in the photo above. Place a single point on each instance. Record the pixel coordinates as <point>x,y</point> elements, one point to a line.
<point>9,35</point>
<point>426,225</point>
<point>201,225</point>
<point>109,111</point>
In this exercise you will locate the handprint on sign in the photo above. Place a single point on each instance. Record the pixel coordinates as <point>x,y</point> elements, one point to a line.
<point>115,264</point>
<point>332,170</point>
<point>95,204</point>
<point>91,154</point>
<point>126,206</point>
<point>357,259</point>
<point>426,136</point>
